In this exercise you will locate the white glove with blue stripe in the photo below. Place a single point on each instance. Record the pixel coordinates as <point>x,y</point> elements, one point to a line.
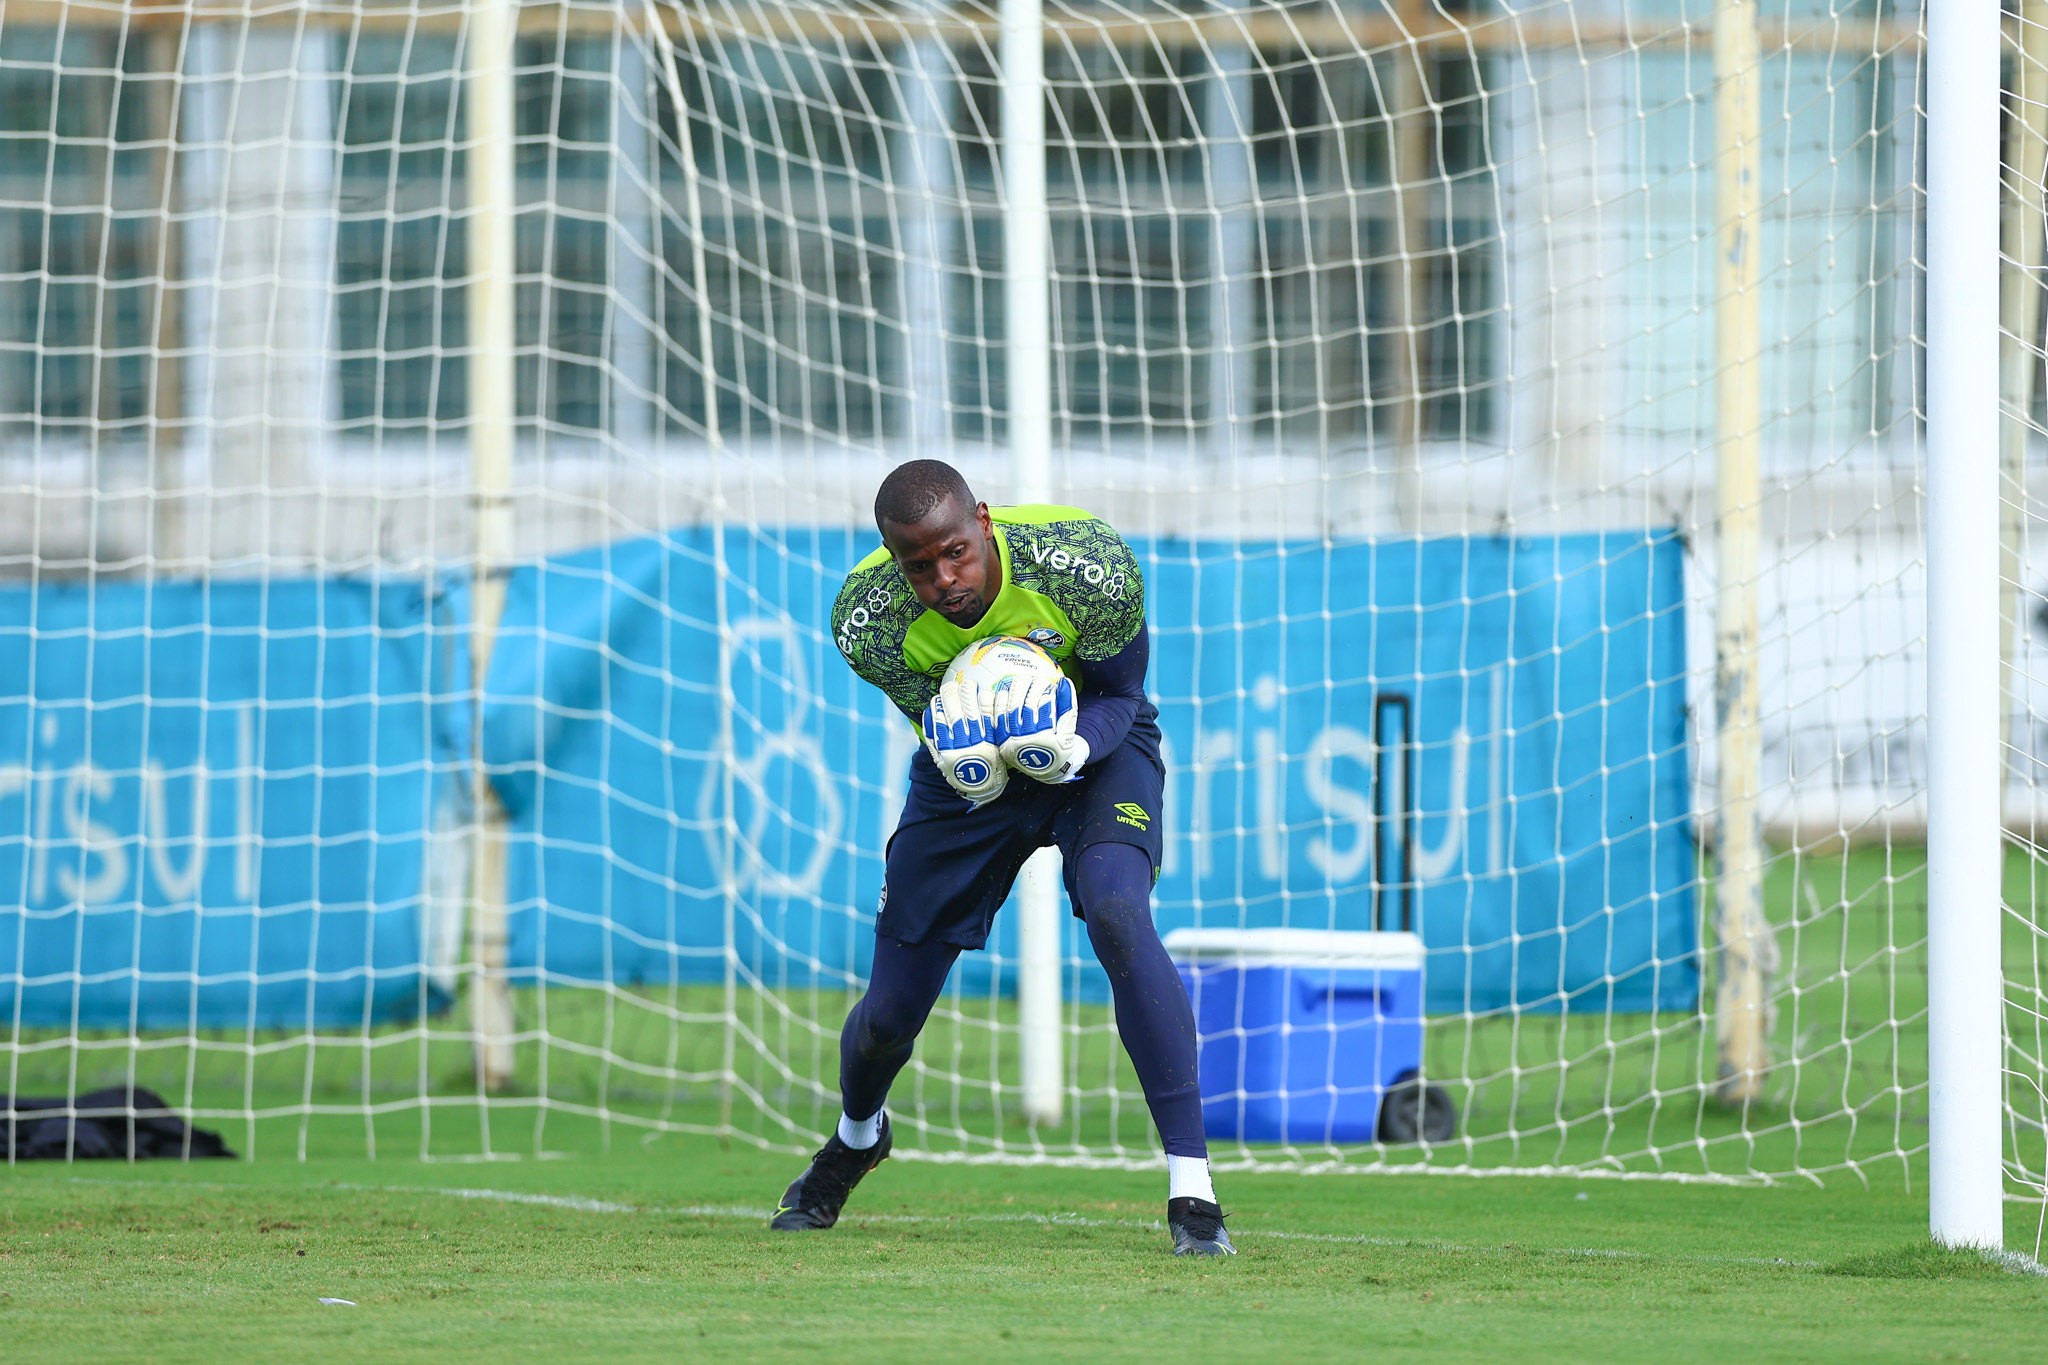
<point>962,743</point>
<point>1037,734</point>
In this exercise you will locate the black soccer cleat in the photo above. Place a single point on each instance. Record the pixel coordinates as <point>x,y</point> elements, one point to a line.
<point>813,1202</point>
<point>1197,1227</point>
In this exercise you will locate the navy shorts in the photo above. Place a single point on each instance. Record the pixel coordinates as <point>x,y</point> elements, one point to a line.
<point>949,866</point>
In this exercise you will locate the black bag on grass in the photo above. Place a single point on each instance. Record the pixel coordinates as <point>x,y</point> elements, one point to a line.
<point>117,1122</point>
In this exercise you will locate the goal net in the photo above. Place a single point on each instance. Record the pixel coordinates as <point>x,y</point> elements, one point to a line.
<point>435,435</point>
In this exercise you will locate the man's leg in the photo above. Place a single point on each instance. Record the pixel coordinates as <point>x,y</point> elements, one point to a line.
<point>946,870</point>
<point>882,1027</point>
<point>873,1046</point>
<point>1114,886</point>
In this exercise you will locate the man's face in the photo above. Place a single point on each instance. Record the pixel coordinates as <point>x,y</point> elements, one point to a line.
<point>950,560</point>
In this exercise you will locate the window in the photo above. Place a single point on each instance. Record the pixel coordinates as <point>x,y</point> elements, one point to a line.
<point>801,252</point>
<point>1194,257</point>
<point>402,235</point>
<point>399,256</point>
<point>81,233</point>
<point>1332,354</point>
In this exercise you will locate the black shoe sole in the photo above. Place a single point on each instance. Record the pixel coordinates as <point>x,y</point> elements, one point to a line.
<point>1204,1249</point>
<point>796,1220</point>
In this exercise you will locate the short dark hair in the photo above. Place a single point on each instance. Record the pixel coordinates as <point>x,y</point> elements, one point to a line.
<point>915,489</point>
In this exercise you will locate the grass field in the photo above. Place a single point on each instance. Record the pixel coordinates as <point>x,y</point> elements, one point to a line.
<point>660,1251</point>
<point>1541,1088</point>
<point>640,1237</point>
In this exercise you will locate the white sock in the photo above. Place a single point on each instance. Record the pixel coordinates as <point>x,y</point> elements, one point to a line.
<point>860,1133</point>
<point>1187,1177</point>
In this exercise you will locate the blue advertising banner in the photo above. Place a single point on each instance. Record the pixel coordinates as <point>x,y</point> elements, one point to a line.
<point>215,803</point>
<point>1483,738</point>
<point>218,801</point>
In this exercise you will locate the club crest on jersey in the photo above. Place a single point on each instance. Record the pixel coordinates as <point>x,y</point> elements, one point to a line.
<point>1046,638</point>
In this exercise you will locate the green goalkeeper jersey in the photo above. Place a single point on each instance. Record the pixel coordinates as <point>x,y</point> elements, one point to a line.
<point>1069,585</point>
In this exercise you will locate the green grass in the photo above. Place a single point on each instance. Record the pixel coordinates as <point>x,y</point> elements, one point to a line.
<point>1575,1088</point>
<point>653,1244</point>
<point>669,1260</point>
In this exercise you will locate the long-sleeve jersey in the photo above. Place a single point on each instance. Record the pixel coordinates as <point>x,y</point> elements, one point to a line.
<point>1069,584</point>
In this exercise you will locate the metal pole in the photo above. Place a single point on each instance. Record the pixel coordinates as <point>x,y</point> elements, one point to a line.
<point>491,410</point>
<point>1742,1009</point>
<point>716,514</point>
<point>1027,360</point>
<point>1413,122</point>
<point>2020,309</point>
<point>1965,990</point>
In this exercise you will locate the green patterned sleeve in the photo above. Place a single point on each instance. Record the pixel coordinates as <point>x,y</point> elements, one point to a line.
<point>1093,577</point>
<point>869,621</point>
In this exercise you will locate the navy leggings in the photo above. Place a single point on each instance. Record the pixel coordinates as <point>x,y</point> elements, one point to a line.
<point>1113,885</point>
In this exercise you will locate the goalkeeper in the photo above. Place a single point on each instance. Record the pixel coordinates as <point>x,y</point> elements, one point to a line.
<point>952,571</point>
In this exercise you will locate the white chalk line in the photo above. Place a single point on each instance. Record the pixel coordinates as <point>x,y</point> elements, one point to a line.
<point>579,1204</point>
<point>2017,1262</point>
<point>2014,1262</point>
<point>741,1213</point>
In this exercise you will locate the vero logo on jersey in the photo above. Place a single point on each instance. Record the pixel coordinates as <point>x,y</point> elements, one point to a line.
<point>1112,584</point>
<point>861,616</point>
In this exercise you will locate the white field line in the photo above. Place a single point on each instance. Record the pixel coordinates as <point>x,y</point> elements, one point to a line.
<point>1074,1220</point>
<point>576,1204</point>
<point>2016,1262</point>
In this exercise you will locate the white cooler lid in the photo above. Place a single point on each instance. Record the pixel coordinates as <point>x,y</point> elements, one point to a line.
<point>1385,950</point>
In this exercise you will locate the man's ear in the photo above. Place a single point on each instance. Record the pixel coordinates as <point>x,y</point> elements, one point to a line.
<point>981,515</point>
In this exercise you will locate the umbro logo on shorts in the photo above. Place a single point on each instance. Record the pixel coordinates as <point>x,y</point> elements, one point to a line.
<point>1132,814</point>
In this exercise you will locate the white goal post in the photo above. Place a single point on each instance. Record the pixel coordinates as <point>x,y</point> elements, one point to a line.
<point>1965,1028</point>
<point>1558,435</point>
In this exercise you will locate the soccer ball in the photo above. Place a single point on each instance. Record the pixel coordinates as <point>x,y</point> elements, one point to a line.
<point>999,666</point>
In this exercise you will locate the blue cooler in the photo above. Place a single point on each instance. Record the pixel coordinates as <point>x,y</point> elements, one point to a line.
<point>1301,1030</point>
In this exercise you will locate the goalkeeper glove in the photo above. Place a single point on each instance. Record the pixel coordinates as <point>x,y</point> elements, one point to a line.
<point>1037,734</point>
<point>962,744</point>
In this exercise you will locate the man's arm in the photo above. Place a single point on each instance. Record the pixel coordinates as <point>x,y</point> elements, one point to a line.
<point>1114,644</point>
<point>869,621</point>
<point>873,612</point>
<point>1089,572</point>
<point>1112,693</point>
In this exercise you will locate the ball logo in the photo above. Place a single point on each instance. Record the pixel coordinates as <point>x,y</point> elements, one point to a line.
<point>972,771</point>
<point>1035,758</point>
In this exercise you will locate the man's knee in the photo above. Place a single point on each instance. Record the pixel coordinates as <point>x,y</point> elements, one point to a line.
<point>882,1028</point>
<point>1116,900</point>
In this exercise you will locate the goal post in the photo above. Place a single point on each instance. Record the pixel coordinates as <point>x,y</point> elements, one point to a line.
<point>1742,1004</point>
<point>1027,350</point>
<point>1965,1027</point>
<point>487,106</point>
<point>1531,422</point>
